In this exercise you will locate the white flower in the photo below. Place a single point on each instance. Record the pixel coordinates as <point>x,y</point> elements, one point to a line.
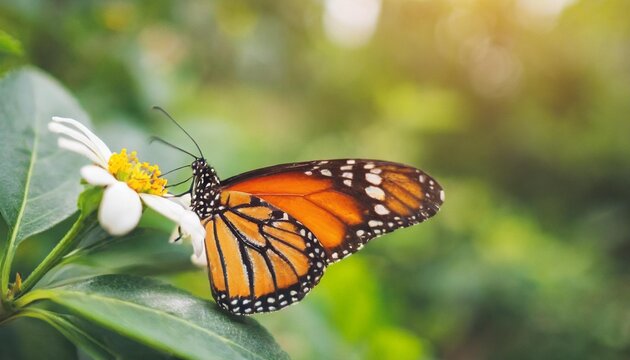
<point>128,184</point>
<point>198,257</point>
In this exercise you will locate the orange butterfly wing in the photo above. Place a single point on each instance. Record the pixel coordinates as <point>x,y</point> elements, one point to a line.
<point>345,203</point>
<point>260,258</point>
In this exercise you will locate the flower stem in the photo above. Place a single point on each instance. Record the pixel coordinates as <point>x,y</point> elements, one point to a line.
<point>5,270</point>
<point>59,251</point>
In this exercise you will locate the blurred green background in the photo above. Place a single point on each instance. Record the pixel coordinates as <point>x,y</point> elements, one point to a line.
<point>519,108</point>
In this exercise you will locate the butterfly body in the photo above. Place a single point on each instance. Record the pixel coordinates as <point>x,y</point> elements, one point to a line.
<point>205,191</point>
<point>271,232</point>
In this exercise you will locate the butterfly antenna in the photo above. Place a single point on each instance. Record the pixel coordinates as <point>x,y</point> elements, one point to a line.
<point>155,138</point>
<point>179,183</point>
<point>179,126</point>
<point>173,170</point>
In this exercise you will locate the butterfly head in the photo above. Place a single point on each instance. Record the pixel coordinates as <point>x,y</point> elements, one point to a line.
<point>205,191</point>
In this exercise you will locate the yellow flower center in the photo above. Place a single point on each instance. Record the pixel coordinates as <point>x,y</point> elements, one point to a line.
<point>140,176</point>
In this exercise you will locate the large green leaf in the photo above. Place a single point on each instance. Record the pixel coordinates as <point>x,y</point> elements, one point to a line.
<point>40,182</point>
<point>31,339</point>
<point>164,318</point>
<point>122,347</point>
<point>76,335</point>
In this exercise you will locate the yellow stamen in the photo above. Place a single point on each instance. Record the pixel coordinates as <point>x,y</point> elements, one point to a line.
<point>142,177</point>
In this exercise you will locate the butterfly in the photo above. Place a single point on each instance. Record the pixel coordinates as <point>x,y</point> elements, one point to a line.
<point>271,232</point>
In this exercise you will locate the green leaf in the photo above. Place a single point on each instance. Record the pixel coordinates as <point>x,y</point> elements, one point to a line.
<point>40,182</point>
<point>25,338</point>
<point>122,347</point>
<point>77,336</point>
<point>163,317</point>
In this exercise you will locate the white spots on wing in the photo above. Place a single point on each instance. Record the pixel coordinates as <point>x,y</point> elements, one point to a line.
<point>360,232</point>
<point>346,168</point>
<point>334,255</point>
<point>369,166</point>
<point>375,223</point>
<point>442,195</point>
<point>347,175</point>
<point>422,178</point>
<point>351,162</point>
<point>309,173</point>
<point>376,171</point>
<point>323,162</point>
<point>381,210</point>
<point>271,300</point>
<point>325,172</point>
<point>347,182</point>
<point>303,232</point>
<point>373,178</point>
<point>375,193</point>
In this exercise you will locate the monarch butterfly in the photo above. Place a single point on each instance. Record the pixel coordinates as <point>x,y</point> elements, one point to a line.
<point>271,232</point>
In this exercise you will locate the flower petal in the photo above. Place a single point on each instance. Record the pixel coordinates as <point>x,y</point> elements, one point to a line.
<point>191,228</point>
<point>183,200</point>
<point>96,175</point>
<point>164,206</point>
<point>120,209</point>
<point>200,261</point>
<point>79,137</point>
<point>103,150</point>
<point>188,221</point>
<point>80,149</point>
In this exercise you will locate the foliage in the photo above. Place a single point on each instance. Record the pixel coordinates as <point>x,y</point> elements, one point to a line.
<point>519,108</point>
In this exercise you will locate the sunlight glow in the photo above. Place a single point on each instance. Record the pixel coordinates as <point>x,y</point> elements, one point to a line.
<point>547,8</point>
<point>351,23</point>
